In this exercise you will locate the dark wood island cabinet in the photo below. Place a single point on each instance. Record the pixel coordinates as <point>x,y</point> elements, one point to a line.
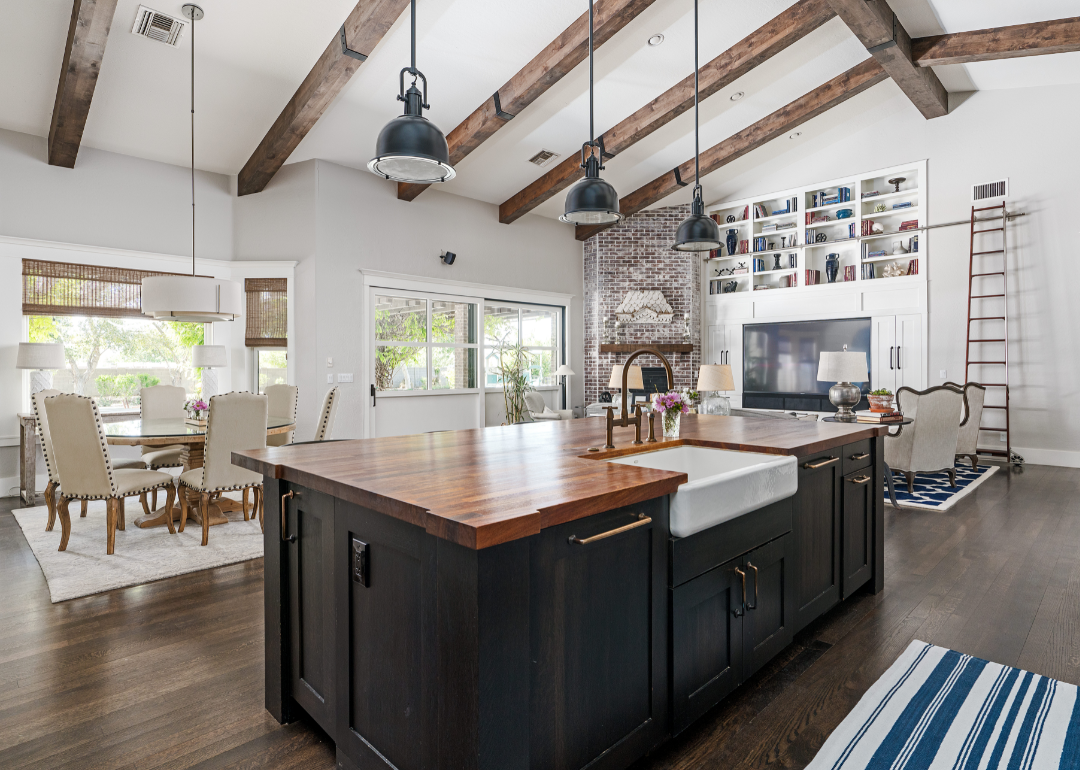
<point>507,599</point>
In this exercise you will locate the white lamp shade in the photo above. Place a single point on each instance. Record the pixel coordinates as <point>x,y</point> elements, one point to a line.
<point>633,381</point>
<point>842,367</point>
<point>191,298</point>
<point>206,356</point>
<point>715,377</point>
<point>563,371</point>
<point>40,355</point>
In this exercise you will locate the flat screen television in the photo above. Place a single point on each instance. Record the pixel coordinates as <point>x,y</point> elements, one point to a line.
<point>780,360</point>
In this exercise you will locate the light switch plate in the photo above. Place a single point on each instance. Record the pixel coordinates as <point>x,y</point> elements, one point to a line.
<point>344,377</point>
<point>943,374</point>
<point>329,379</point>
<point>329,362</point>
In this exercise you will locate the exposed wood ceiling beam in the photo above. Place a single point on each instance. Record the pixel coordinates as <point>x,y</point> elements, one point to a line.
<point>366,25</point>
<point>877,28</point>
<point>789,27</point>
<point>546,69</point>
<point>87,36</point>
<point>1042,37</point>
<point>821,99</point>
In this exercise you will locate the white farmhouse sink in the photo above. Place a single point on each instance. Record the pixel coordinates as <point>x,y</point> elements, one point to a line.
<point>723,484</point>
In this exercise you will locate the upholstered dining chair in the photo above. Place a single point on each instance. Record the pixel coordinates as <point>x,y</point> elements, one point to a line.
<point>967,444</point>
<point>928,445</point>
<point>85,469</point>
<point>237,421</point>
<point>325,428</point>
<point>161,402</point>
<point>281,402</point>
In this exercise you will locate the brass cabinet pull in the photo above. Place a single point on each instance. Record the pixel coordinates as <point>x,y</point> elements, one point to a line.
<point>742,607</point>
<point>754,605</point>
<point>861,456</point>
<point>820,463</point>
<point>291,538</point>
<point>860,479</point>
<point>642,520</point>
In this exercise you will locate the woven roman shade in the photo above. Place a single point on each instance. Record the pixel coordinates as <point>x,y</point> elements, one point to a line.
<point>67,288</point>
<point>267,312</point>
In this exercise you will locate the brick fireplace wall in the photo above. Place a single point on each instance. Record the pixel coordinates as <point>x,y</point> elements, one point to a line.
<point>636,254</point>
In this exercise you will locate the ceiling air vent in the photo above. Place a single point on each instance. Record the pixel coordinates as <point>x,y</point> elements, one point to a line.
<point>988,190</point>
<point>158,26</point>
<point>543,158</point>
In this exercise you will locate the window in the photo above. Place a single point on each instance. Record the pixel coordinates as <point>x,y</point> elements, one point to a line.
<point>271,368</point>
<point>537,328</point>
<point>424,343</point>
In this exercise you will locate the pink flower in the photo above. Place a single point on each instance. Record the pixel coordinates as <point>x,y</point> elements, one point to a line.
<point>671,400</point>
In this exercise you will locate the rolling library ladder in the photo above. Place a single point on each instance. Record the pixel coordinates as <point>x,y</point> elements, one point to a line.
<point>983,323</point>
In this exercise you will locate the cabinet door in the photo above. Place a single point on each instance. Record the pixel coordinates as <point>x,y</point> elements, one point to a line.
<point>310,519</point>
<point>770,586</point>
<point>883,347</point>
<point>598,628</point>
<point>909,352</point>
<point>706,640</point>
<point>858,530</point>
<point>815,528</point>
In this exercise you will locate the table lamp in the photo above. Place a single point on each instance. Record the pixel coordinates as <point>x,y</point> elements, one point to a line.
<point>713,378</point>
<point>843,368</point>
<point>633,380</point>
<point>42,358</point>
<point>207,358</point>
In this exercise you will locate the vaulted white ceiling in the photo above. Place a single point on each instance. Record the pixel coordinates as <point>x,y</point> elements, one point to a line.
<point>252,54</point>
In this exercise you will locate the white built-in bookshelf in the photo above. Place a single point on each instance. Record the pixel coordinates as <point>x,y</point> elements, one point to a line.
<point>784,239</point>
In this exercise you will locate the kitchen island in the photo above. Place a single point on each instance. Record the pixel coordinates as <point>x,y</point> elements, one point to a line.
<point>510,598</point>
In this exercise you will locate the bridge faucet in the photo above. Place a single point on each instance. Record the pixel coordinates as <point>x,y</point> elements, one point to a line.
<point>625,420</point>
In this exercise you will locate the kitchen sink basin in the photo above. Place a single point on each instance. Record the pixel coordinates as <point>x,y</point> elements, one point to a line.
<point>723,484</point>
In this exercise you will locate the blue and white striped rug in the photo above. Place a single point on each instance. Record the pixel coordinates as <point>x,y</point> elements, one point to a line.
<point>932,490</point>
<point>935,709</point>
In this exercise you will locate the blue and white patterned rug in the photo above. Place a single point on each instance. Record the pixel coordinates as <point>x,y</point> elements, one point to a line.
<point>932,490</point>
<point>935,709</point>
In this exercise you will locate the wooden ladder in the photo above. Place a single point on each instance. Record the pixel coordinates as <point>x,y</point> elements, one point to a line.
<point>998,370</point>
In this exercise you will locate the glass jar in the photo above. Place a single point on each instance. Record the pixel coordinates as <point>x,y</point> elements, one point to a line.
<point>672,418</point>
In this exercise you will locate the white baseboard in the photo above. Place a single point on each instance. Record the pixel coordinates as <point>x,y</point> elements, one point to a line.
<point>1058,457</point>
<point>9,487</point>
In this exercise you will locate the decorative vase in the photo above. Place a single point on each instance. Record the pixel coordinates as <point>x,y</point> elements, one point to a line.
<point>672,417</point>
<point>832,267</point>
<point>732,242</point>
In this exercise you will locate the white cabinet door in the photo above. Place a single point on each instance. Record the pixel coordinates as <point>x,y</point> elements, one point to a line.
<point>883,347</point>
<point>725,347</point>
<point>909,352</point>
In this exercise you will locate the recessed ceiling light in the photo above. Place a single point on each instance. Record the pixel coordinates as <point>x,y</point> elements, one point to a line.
<point>656,39</point>
<point>796,135</point>
<point>737,95</point>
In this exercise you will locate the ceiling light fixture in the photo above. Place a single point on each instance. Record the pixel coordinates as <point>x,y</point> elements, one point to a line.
<point>411,148</point>
<point>737,95</point>
<point>697,232</point>
<point>191,298</point>
<point>591,201</point>
<point>656,39</point>
<point>796,135</point>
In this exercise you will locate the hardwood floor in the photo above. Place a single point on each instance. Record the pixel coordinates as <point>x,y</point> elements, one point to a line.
<point>169,675</point>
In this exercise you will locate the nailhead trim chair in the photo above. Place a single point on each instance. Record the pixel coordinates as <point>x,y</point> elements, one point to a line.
<point>237,421</point>
<point>928,445</point>
<point>281,402</point>
<point>329,412</point>
<point>86,470</point>
<point>45,437</point>
<point>161,402</point>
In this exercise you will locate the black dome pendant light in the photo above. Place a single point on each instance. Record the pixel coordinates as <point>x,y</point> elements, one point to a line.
<point>592,201</point>
<point>411,148</point>
<point>697,232</point>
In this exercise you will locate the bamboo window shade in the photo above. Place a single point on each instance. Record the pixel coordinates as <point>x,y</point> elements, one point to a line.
<point>68,288</point>
<point>267,312</point>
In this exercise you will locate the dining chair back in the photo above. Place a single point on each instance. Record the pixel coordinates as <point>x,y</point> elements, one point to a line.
<point>162,402</point>
<point>928,445</point>
<point>325,428</point>
<point>82,453</point>
<point>237,421</point>
<point>281,403</point>
<point>45,436</point>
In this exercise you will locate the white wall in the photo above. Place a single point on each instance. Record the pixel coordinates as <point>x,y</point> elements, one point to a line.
<point>1028,135</point>
<point>360,224</point>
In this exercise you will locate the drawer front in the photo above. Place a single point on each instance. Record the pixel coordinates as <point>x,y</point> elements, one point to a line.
<point>857,456</point>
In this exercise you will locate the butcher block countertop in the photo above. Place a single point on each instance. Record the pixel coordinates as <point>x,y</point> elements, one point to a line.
<point>480,488</point>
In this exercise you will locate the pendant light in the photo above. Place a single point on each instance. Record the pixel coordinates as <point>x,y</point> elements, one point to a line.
<point>191,298</point>
<point>697,232</point>
<point>592,201</point>
<point>411,148</point>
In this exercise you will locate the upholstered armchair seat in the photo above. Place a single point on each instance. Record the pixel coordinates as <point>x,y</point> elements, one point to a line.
<point>539,410</point>
<point>243,479</point>
<point>132,465</point>
<point>165,457</point>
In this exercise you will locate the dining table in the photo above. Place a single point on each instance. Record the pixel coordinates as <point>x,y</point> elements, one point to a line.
<point>192,437</point>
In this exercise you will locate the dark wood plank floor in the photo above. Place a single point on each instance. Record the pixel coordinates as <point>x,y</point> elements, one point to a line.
<point>169,675</point>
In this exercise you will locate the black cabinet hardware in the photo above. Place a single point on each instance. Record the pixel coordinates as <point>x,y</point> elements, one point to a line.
<point>891,349</point>
<point>360,562</point>
<point>373,394</point>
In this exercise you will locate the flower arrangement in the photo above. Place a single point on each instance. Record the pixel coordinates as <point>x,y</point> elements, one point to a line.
<point>195,407</point>
<point>671,406</point>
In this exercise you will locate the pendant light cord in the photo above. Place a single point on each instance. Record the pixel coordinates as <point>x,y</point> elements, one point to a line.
<point>697,143</point>
<point>193,144</point>
<point>592,131</point>
<point>414,36</point>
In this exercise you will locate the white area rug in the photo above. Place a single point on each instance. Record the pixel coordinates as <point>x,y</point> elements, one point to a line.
<point>142,555</point>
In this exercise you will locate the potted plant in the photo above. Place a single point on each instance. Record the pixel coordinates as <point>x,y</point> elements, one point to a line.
<point>513,370</point>
<point>671,406</point>
<point>881,400</point>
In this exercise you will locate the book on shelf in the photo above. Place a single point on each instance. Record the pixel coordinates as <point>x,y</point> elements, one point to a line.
<point>740,271</point>
<point>746,213</point>
<point>812,277</point>
<point>913,244</point>
<point>744,247</point>
<point>868,271</point>
<point>768,228</point>
<point>911,224</point>
<point>793,260</point>
<point>871,194</point>
<point>904,205</point>
<point>849,273</point>
<point>759,265</point>
<point>867,227</point>
<point>851,230</point>
<point>913,267</point>
<point>878,253</point>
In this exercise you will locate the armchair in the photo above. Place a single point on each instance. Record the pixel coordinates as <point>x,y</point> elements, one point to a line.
<point>539,410</point>
<point>967,444</point>
<point>928,445</point>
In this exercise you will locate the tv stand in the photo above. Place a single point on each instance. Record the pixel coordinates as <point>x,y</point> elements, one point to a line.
<point>793,402</point>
